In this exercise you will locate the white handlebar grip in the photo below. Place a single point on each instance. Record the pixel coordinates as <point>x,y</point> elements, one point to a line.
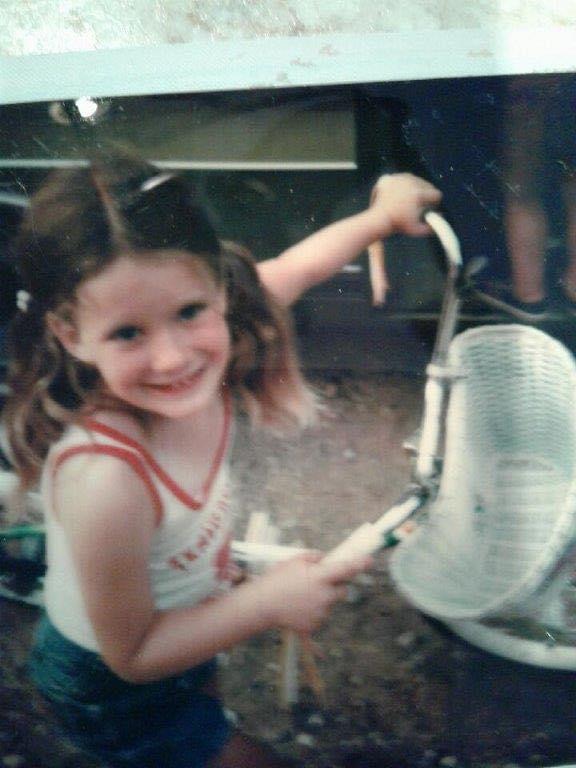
<point>446,235</point>
<point>365,540</point>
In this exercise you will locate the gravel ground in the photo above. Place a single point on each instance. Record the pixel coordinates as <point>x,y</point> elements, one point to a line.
<point>399,689</point>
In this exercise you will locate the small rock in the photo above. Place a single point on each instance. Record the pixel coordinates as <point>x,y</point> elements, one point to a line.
<point>349,454</point>
<point>305,740</point>
<point>316,719</point>
<point>353,594</point>
<point>272,735</point>
<point>449,762</point>
<point>231,716</point>
<point>406,639</point>
<point>365,579</point>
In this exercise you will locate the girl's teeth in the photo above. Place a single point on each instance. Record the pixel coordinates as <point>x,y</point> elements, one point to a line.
<point>180,384</point>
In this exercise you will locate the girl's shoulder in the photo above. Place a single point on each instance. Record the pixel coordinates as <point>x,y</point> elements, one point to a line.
<point>117,422</point>
<point>89,443</point>
<point>86,462</point>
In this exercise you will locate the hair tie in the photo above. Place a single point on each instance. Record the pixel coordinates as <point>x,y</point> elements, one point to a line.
<point>155,181</point>
<point>23,300</point>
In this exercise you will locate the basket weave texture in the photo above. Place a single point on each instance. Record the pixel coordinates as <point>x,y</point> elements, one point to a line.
<point>505,513</point>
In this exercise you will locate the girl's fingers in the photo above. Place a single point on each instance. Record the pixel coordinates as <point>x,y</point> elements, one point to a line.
<point>420,229</point>
<point>338,571</point>
<point>409,180</point>
<point>312,556</point>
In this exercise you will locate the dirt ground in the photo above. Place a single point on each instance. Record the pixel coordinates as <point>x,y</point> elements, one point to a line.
<point>400,689</point>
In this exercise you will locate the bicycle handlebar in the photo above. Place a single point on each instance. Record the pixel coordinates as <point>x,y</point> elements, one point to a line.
<point>446,236</point>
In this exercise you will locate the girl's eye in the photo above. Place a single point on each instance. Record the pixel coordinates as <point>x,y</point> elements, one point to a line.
<point>190,311</point>
<point>125,333</point>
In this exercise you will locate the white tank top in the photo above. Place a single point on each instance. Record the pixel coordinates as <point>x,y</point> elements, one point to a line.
<point>190,554</point>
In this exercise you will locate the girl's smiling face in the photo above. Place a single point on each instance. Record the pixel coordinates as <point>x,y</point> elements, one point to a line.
<point>156,331</point>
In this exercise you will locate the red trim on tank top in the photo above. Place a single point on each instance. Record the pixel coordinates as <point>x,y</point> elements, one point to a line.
<point>119,453</point>
<point>161,474</point>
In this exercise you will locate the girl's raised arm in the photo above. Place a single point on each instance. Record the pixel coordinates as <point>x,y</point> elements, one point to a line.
<point>398,203</point>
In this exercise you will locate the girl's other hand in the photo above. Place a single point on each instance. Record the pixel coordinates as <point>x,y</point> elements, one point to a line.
<point>399,200</point>
<point>301,591</point>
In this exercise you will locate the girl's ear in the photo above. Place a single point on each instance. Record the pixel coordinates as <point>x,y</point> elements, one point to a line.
<point>66,333</point>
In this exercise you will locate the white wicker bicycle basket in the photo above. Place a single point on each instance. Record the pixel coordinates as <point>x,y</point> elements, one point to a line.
<point>497,541</point>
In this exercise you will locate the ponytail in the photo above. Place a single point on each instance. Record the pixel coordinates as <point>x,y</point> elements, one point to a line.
<point>42,400</point>
<point>264,366</point>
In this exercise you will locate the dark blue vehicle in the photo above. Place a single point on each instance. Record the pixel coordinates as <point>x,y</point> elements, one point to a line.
<point>273,166</point>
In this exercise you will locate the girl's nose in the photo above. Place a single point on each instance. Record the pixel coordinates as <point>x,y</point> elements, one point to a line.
<point>166,353</point>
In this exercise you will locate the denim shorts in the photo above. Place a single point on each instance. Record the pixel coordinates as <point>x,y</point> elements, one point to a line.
<point>170,723</point>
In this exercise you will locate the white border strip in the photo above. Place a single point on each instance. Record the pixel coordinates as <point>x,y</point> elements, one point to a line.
<point>283,62</point>
<point>193,165</point>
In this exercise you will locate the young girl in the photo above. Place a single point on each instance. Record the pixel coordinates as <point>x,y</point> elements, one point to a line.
<point>138,335</point>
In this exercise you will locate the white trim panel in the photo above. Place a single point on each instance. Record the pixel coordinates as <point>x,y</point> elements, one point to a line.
<point>282,62</point>
<point>193,165</point>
